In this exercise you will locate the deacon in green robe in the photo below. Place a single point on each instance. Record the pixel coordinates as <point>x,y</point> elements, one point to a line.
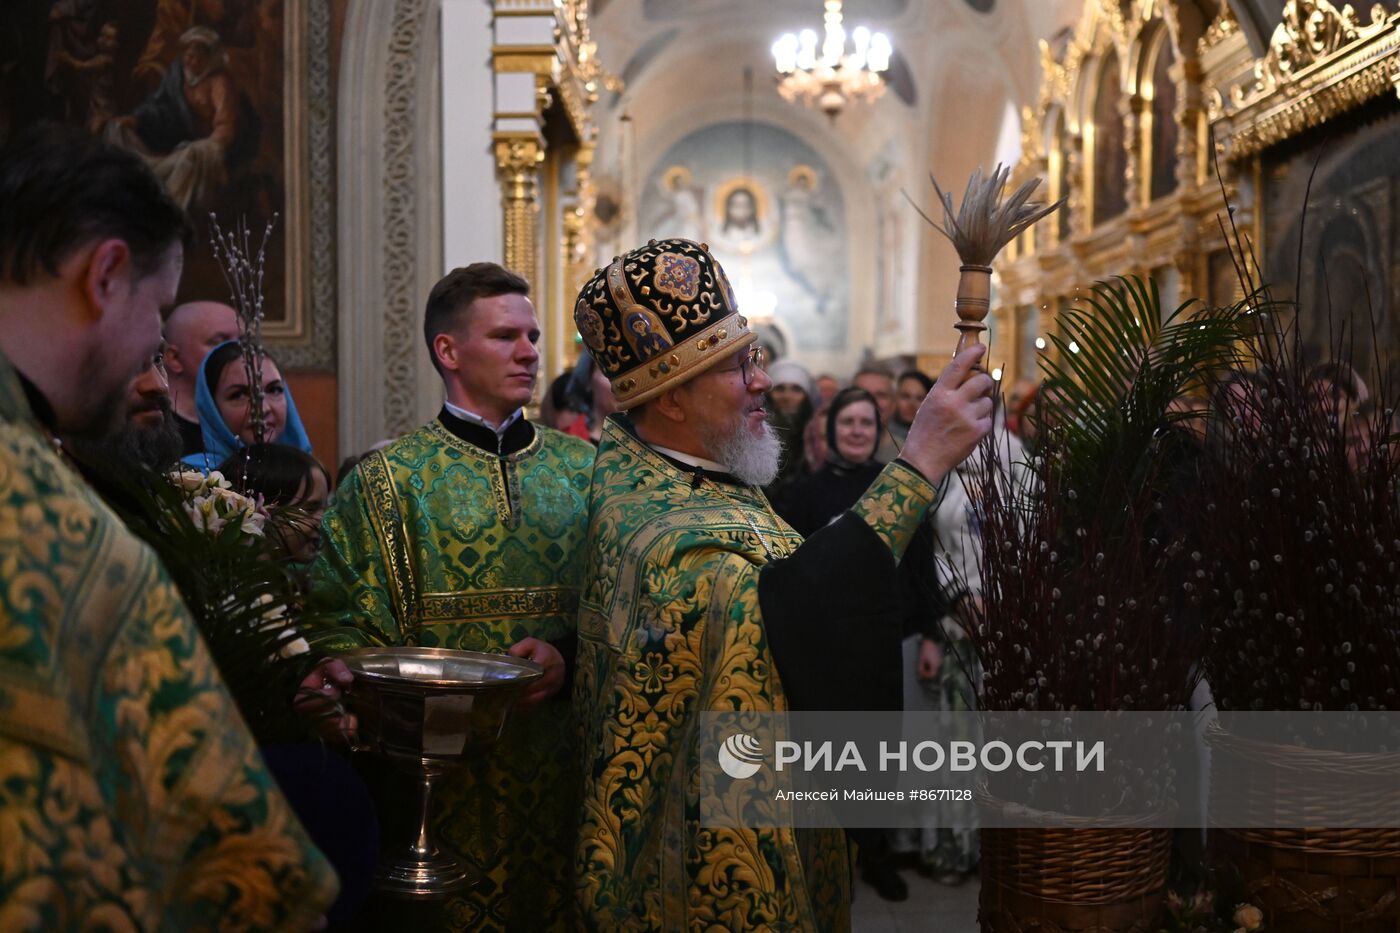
<point>469,534</point>
<point>698,598</point>
<point>132,796</point>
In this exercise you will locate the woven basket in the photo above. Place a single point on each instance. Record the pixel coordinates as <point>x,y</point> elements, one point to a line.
<point>1060,880</point>
<point>1311,880</point>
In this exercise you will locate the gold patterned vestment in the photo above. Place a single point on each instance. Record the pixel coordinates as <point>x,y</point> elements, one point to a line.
<point>132,796</point>
<point>674,621</point>
<point>442,541</point>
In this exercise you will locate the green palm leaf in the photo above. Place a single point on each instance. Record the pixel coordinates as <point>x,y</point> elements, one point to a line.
<point>1120,364</point>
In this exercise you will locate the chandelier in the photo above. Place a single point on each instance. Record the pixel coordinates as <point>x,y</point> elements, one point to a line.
<point>829,77</point>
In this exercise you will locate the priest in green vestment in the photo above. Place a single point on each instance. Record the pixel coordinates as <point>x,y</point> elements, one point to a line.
<point>132,796</point>
<point>469,534</point>
<point>698,597</point>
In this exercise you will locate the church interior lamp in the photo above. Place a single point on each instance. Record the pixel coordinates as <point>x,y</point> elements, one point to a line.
<point>837,72</point>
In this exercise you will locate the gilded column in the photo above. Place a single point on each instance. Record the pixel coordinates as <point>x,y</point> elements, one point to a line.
<point>518,161</point>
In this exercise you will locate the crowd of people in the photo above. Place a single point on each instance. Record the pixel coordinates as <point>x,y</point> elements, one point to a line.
<point>685,527</point>
<point>631,554</point>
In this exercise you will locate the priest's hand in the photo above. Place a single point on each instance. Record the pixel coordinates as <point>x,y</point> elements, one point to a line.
<point>318,699</point>
<point>546,656</point>
<point>954,416</point>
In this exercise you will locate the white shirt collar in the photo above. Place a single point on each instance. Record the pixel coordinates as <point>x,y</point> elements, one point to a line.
<point>473,418</point>
<point>713,466</point>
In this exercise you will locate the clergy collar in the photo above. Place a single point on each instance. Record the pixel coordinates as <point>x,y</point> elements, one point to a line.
<point>513,436</point>
<point>690,460</point>
<point>472,417</point>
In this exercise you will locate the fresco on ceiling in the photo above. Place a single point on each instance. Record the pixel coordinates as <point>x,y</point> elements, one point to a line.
<point>770,208</point>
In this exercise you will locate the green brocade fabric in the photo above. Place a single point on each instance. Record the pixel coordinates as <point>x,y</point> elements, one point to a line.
<point>132,796</point>
<point>443,544</point>
<point>670,625</point>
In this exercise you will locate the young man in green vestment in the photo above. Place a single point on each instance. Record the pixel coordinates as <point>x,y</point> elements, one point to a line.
<point>697,597</point>
<point>468,534</point>
<point>132,796</point>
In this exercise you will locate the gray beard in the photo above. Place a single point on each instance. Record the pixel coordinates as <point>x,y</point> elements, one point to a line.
<point>752,460</point>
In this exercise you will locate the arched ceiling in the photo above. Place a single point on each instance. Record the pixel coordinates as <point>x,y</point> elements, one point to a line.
<point>959,63</point>
<point>679,56</point>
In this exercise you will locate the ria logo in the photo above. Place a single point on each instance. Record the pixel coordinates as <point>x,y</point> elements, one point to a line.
<point>741,756</point>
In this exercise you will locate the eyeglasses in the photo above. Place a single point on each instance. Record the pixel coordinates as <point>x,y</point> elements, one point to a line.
<point>750,364</point>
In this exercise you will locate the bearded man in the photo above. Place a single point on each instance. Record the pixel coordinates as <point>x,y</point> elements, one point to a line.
<point>697,597</point>
<point>148,436</point>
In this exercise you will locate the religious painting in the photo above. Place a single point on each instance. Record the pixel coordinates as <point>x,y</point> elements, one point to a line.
<point>210,93</point>
<point>771,211</point>
<point>1346,232</point>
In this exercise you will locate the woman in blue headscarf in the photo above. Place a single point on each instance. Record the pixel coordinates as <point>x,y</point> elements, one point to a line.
<point>224,401</point>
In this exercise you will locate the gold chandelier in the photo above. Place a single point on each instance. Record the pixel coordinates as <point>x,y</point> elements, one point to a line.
<point>829,77</point>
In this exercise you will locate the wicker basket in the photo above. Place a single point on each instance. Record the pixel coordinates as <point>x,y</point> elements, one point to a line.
<point>1059,880</point>
<point>1311,880</point>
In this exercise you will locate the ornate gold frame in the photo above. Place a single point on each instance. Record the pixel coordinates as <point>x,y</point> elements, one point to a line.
<point>1322,61</point>
<point>306,337</point>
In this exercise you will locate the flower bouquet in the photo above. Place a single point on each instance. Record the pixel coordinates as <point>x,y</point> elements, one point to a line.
<point>253,609</point>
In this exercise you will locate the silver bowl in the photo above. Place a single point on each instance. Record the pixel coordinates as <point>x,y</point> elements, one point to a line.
<point>433,704</point>
<point>428,710</point>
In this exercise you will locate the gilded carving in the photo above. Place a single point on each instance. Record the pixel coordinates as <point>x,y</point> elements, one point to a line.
<point>1322,61</point>
<point>517,167</point>
<point>1223,28</point>
<point>1311,31</point>
<point>1058,263</point>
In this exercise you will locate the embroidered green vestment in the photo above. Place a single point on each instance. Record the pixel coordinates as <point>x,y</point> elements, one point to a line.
<point>442,543</point>
<point>132,796</point>
<point>670,625</point>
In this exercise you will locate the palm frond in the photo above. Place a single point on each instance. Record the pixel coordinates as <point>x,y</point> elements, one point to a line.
<point>1120,363</point>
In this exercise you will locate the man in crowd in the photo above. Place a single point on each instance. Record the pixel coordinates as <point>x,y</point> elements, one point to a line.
<point>148,436</point>
<point>469,534</point>
<point>138,788</point>
<point>697,598</point>
<point>191,331</point>
<point>879,383</point>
